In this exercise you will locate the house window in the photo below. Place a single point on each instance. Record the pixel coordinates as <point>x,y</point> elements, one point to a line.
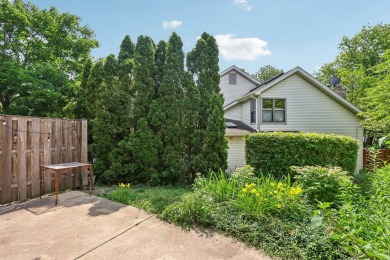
<point>232,78</point>
<point>253,111</point>
<point>274,110</point>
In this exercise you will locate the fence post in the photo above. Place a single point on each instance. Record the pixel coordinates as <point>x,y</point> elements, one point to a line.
<point>7,160</point>
<point>22,169</point>
<point>84,148</point>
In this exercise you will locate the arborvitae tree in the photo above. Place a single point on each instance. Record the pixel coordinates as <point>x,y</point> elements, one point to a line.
<point>144,72</point>
<point>107,131</point>
<point>202,63</point>
<point>215,149</point>
<point>119,158</point>
<point>80,108</point>
<point>126,50</point>
<point>190,130</point>
<point>94,86</point>
<point>159,60</point>
<point>135,159</point>
<point>170,102</point>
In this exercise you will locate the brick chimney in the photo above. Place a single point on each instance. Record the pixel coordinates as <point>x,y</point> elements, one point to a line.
<point>341,91</point>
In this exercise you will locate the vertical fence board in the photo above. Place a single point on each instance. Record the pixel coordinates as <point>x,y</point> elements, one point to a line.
<point>35,149</point>
<point>7,160</point>
<point>22,169</point>
<point>47,153</point>
<point>84,148</point>
<point>58,147</point>
<point>26,143</point>
<point>68,149</point>
<point>76,151</point>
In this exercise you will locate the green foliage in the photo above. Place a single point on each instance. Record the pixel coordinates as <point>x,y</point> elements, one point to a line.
<point>159,61</point>
<point>210,145</point>
<point>215,149</point>
<point>152,123</point>
<point>363,64</point>
<point>135,159</point>
<point>151,199</point>
<point>322,184</point>
<point>80,107</point>
<point>41,52</point>
<point>144,70</point>
<point>243,175</point>
<point>267,213</point>
<point>362,223</point>
<point>170,103</point>
<point>377,101</point>
<point>266,73</point>
<point>126,50</point>
<point>275,152</point>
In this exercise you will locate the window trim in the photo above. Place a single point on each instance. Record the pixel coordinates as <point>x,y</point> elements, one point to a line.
<point>273,122</point>
<point>231,81</point>
<point>255,111</point>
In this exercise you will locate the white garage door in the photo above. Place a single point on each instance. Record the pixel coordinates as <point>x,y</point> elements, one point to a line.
<point>236,152</point>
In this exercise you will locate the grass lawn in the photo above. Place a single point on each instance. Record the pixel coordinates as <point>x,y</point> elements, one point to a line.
<point>151,199</point>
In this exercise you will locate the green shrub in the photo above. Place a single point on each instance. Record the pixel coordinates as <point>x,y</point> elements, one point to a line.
<point>275,152</point>
<point>265,212</point>
<point>243,175</point>
<point>362,223</point>
<point>322,184</point>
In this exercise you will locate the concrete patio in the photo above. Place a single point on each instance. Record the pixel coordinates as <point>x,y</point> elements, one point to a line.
<point>90,227</point>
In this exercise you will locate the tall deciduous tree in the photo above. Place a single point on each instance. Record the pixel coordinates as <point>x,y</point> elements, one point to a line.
<point>358,65</point>
<point>44,50</point>
<point>266,73</point>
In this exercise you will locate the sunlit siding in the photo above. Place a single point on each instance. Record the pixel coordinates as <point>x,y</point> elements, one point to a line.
<point>234,112</point>
<point>232,92</point>
<point>240,112</point>
<point>246,112</point>
<point>236,152</point>
<point>311,110</point>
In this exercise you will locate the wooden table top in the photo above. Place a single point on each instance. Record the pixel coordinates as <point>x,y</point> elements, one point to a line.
<point>69,165</point>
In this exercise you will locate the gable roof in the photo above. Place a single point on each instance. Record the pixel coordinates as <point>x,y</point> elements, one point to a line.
<point>241,72</point>
<point>302,73</point>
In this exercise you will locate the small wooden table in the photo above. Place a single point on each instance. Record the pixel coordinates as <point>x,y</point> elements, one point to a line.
<point>62,168</point>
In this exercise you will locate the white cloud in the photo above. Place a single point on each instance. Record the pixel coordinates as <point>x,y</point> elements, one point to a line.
<point>171,25</point>
<point>241,48</point>
<point>243,4</point>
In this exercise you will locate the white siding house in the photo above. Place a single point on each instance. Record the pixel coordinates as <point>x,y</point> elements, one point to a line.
<point>293,101</point>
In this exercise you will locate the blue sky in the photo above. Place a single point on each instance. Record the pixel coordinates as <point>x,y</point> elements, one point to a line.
<point>250,33</point>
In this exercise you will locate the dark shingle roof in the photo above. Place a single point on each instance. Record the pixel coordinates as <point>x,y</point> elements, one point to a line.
<point>239,129</point>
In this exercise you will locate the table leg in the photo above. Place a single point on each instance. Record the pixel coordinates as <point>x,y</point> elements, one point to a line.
<point>41,179</point>
<point>90,180</point>
<point>56,186</point>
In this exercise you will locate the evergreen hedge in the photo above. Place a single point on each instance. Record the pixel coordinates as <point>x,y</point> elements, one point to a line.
<point>275,152</point>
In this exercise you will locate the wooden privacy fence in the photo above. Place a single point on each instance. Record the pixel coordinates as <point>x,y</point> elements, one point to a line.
<point>28,142</point>
<point>379,157</point>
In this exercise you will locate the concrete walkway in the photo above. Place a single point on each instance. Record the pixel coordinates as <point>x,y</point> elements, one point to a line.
<point>89,227</point>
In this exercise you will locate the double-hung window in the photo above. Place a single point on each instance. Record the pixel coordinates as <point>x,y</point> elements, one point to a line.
<point>274,110</point>
<point>253,111</point>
